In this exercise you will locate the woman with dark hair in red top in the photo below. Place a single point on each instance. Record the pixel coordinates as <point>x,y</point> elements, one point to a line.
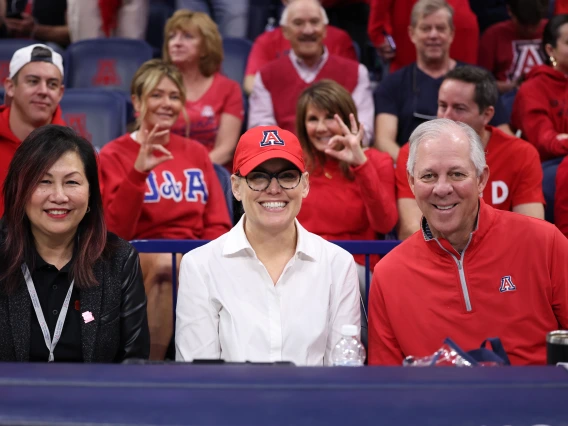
<point>352,190</point>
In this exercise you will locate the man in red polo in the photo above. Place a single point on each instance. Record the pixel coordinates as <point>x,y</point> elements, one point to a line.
<point>34,88</point>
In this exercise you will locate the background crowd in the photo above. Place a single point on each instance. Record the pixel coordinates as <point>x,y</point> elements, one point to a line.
<point>351,79</point>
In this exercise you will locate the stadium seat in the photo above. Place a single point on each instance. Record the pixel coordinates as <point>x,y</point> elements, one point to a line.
<point>259,13</point>
<point>97,115</point>
<point>7,48</point>
<point>159,14</point>
<point>236,51</point>
<point>225,178</point>
<point>507,100</point>
<point>549,186</point>
<point>108,63</point>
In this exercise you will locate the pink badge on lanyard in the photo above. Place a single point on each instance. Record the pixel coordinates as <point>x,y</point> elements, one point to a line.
<point>88,317</point>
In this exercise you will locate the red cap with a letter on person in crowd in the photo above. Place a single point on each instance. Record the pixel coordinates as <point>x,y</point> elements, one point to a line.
<point>263,143</point>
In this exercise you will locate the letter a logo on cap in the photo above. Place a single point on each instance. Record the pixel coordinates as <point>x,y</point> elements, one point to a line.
<point>271,138</point>
<point>507,284</point>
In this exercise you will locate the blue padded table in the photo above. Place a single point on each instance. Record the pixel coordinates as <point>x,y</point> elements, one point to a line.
<point>248,395</point>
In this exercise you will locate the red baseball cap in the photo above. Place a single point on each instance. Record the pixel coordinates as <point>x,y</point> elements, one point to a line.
<point>263,143</point>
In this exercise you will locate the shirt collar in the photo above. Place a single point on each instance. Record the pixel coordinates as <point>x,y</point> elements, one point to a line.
<point>237,241</point>
<point>40,264</point>
<point>427,232</point>
<point>300,63</point>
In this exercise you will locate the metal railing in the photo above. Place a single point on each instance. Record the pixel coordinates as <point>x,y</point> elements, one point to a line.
<point>174,247</point>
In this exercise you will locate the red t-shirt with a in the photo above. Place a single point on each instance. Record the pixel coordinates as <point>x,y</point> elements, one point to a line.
<point>223,97</point>
<point>272,45</point>
<point>508,56</point>
<point>515,173</point>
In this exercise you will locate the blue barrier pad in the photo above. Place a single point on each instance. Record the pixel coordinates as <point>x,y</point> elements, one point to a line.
<point>274,395</point>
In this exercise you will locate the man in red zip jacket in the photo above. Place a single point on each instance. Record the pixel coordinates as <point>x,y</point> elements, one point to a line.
<point>33,88</point>
<point>472,271</point>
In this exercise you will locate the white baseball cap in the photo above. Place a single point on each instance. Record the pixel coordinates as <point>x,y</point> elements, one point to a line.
<point>31,53</point>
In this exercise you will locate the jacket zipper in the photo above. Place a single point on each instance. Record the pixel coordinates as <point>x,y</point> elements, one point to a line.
<point>463,282</point>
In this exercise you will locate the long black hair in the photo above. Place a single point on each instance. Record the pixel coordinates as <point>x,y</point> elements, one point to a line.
<point>35,156</point>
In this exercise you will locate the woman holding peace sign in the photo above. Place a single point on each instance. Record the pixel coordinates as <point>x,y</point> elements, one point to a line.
<point>352,189</point>
<point>158,185</point>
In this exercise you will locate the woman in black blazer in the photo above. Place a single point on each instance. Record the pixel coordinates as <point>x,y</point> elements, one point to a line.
<point>69,290</point>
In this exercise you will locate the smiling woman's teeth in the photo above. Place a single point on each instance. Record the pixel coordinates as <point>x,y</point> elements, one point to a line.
<point>273,205</point>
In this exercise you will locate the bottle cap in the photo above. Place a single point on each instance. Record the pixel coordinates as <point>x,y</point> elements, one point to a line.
<point>558,337</point>
<point>349,330</point>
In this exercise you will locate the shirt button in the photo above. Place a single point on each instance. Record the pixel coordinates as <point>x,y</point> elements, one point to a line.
<point>55,312</point>
<point>54,286</point>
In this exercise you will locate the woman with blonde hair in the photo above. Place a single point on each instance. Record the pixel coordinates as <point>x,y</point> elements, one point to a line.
<point>352,190</point>
<point>213,103</point>
<point>156,185</point>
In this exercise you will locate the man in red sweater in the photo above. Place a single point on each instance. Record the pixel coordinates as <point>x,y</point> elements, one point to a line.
<point>272,45</point>
<point>278,84</point>
<point>33,88</point>
<point>474,271</point>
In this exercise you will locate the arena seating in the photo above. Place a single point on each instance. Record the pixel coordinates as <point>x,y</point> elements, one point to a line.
<point>97,115</point>
<point>236,51</point>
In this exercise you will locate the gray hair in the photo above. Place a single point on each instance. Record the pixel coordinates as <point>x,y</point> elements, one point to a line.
<point>285,12</point>
<point>433,129</point>
<point>424,8</point>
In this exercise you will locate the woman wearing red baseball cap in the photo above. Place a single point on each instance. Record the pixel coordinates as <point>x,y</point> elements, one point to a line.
<point>268,290</point>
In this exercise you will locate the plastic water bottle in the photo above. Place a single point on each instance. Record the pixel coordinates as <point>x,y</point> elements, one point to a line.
<point>349,351</point>
<point>270,25</point>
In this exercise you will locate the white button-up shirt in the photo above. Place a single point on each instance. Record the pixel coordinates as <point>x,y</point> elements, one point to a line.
<point>261,111</point>
<point>228,306</point>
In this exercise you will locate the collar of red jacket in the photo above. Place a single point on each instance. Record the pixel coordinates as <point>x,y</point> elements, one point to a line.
<point>485,218</point>
<point>6,133</point>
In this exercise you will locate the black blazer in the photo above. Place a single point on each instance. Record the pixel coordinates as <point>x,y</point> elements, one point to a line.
<point>118,303</point>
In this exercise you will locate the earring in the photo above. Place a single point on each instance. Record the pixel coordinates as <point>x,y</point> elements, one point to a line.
<point>88,209</point>
<point>553,61</point>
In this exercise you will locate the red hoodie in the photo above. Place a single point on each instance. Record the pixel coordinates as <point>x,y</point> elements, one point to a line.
<point>10,142</point>
<point>540,110</point>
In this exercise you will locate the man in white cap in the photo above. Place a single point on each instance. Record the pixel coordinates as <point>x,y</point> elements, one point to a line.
<point>34,88</point>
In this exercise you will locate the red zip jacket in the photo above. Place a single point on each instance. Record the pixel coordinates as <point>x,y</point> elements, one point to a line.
<point>9,143</point>
<point>539,111</point>
<point>510,282</point>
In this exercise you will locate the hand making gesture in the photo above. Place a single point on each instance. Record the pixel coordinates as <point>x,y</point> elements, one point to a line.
<point>347,145</point>
<point>147,158</point>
